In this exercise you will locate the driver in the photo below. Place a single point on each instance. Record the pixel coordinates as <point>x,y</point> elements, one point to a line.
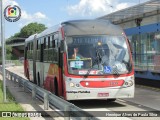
<point>76,54</point>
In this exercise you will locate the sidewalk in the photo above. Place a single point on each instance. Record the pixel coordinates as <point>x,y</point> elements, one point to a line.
<point>25,99</point>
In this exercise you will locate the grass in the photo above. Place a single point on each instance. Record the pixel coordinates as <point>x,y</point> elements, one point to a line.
<point>11,105</point>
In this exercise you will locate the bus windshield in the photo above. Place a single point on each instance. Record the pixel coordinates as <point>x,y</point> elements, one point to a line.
<point>97,55</point>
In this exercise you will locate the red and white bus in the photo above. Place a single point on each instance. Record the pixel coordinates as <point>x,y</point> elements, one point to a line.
<point>81,59</point>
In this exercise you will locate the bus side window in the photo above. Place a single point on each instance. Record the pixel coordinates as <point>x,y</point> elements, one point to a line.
<point>45,51</point>
<point>50,41</point>
<point>53,42</point>
<point>56,40</point>
<point>31,50</point>
<point>49,45</point>
<point>28,46</point>
<point>31,45</point>
<point>38,50</point>
<point>37,44</point>
<point>28,51</point>
<point>25,54</point>
<point>44,43</point>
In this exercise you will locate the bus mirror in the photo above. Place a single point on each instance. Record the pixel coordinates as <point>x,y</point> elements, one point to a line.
<point>62,46</point>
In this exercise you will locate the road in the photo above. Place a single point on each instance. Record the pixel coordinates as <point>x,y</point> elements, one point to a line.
<point>146,99</point>
<point>25,98</point>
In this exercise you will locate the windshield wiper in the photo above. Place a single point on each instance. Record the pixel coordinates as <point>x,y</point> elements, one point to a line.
<point>89,70</point>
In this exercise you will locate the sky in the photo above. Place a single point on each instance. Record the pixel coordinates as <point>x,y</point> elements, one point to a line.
<point>52,12</point>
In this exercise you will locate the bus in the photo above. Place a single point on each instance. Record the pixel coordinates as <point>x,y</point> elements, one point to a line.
<point>81,60</point>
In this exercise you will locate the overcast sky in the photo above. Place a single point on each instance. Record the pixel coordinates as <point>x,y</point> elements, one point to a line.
<point>52,12</point>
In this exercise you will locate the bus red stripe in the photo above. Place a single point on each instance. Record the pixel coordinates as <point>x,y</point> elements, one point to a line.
<point>102,84</point>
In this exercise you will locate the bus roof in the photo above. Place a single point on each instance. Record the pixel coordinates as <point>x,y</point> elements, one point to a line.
<point>91,27</point>
<point>44,33</point>
<point>83,27</point>
<point>49,31</point>
<point>30,38</point>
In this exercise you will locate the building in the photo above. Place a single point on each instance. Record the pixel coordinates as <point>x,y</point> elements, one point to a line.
<point>141,24</point>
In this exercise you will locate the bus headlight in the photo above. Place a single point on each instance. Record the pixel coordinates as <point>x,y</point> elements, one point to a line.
<point>71,84</point>
<point>87,83</point>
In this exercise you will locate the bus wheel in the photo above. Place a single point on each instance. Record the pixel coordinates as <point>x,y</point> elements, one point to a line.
<point>111,100</point>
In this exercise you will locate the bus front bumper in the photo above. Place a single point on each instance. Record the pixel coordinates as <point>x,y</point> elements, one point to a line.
<point>103,93</point>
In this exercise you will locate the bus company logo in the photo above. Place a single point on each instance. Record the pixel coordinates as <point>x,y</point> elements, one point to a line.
<point>12,13</point>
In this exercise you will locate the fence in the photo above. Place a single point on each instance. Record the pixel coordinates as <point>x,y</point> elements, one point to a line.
<point>67,109</point>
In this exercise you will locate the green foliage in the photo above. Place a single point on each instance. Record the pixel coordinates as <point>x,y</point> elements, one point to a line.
<point>28,30</point>
<point>25,32</point>
<point>8,49</point>
<point>31,29</point>
<point>16,35</point>
<point>9,55</point>
<point>8,52</point>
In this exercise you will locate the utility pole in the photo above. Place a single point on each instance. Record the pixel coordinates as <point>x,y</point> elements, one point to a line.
<point>3,51</point>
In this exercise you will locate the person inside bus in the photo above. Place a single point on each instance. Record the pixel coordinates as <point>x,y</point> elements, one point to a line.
<point>76,54</point>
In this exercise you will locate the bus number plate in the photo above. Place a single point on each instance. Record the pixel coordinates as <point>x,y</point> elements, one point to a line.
<point>103,94</point>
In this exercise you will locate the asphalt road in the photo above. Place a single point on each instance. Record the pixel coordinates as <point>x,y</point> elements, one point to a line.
<point>146,99</point>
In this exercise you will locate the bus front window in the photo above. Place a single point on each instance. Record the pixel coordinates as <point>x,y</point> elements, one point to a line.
<point>97,55</point>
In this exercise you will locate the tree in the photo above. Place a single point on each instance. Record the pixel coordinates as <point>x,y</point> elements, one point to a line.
<point>16,35</point>
<point>8,53</point>
<point>31,29</point>
<point>25,32</point>
<point>28,30</point>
